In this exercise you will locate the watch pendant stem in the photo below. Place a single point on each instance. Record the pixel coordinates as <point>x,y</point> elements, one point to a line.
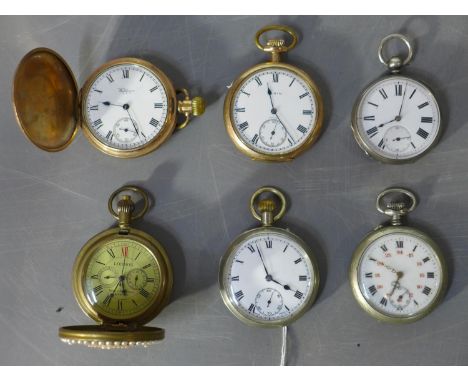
<point>266,208</point>
<point>125,207</point>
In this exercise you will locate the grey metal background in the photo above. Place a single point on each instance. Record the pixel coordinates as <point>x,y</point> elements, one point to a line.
<point>51,204</point>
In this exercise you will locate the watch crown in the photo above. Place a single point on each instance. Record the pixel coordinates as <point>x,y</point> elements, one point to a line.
<point>266,205</point>
<point>198,106</point>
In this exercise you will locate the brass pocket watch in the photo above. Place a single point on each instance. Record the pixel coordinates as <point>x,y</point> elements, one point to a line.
<point>127,107</point>
<point>398,273</point>
<point>274,110</point>
<point>396,119</point>
<point>269,276</point>
<point>122,278</point>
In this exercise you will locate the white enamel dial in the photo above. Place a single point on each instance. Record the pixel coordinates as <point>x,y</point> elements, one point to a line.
<point>269,277</point>
<point>126,106</point>
<point>399,275</point>
<point>274,111</point>
<point>398,118</point>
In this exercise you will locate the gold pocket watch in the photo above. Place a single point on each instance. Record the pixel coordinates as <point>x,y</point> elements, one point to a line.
<point>122,278</point>
<point>398,273</point>
<point>396,119</point>
<point>274,110</point>
<point>127,107</point>
<point>269,276</point>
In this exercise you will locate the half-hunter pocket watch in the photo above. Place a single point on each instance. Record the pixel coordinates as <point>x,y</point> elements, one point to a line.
<point>122,278</point>
<point>127,107</point>
<point>274,110</point>
<point>398,273</point>
<point>268,277</point>
<point>396,119</point>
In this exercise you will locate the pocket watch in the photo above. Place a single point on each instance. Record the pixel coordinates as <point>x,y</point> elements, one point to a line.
<point>122,278</point>
<point>127,107</point>
<point>396,119</point>
<point>268,277</point>
<point>398,273</point>
<point>274,110</point>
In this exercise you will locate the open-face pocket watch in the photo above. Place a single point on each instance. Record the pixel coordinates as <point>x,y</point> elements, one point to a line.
<point>127,107</point>
<point>396,118</point>
<point>274,110</point>
<point>398,273</point>
<point>268,277</point>
<point>122,278</point>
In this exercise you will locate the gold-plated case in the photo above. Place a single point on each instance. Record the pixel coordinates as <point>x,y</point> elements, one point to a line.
<point>266,208</point>
<point>129,331</point>
<point>394,65</point>
<point>395,227</point>
<point>275,47</point>
<point>49,111</point>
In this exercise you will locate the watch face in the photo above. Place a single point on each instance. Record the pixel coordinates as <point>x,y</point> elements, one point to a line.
<point>122,279</point>
<point>274,111</point>
<point>126,106</point>
<point>269,278</point>
<point>400,275</point>
<point>397,118</point>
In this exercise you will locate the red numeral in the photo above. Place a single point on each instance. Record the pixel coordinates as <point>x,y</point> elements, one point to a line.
<point>419,263</point>
<point>376,274</point>
<point>422,275</point>
<point>410,255</point>
<point>419,286</point>
<point>124,251</point>
<point>379,286</point>
<point>388,255</point>
<point>399,252</point>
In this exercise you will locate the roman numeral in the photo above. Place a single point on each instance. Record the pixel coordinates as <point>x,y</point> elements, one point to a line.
<point>383,93</point>
<point>430,275</point>
<point>141,78</point>
<point>383,301</point>
<point>302,129</point>
<point>259,81</point>
<point>414,249</point>
<point>97,123</point>
<point>243,126</point>
<point>109,77</point>
<point>372,290</point>
<point>150,280</point>
<point>239,295</point>
<point>109,135</point>
<point>120,305</point>
<point>111,253</point>
<point>426,259</point>
<point>108,299</point>
<point>275,77</point>
<point>369,118</point>
<point>292,82</point>
<point>285,248</point>
<point>247,94</point>
<point>94,107</point>
<point>124,251</point>
<point>98,290</point>
<point>307,112</point>
<point>369,275</point>
<point>373,104</point>
<point>426,119</point>
<point>381,144</point>
<point>423,105</point>
<point>412,144</point>
<point>422,133</point>
<point>94,277</point>
<point>146,266</point>
<point>100,262</point>
<point>125,73</point>
<point>251,248</point>
<point>298,294</point>
<point>304,95</point>
<point>137,256</point>
<point>144,293</point>
<point>252,308</point>
<point>398,90</point>
<point>297,261</point>
<point>240,109</point>
<point>154,88</point>
<point>134,302</point>
<point>98,91</point>
<point>154,122</point>
<point>239,261</point>
<point>384,248</point>
<point>426,290</point>
<point>269,243</point>
<point>302,278</point>
<point>255,139</point>
<point>372,132</point>
<point>158,105</point>
<point>235,278</point>
<point>412,94</point>
<point>399,244</point>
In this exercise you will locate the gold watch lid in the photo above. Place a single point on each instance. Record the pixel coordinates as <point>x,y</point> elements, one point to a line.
<point>111,336</point>
<point>45,99</point>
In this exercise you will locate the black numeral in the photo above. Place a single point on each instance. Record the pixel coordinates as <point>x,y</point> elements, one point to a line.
<point>384,248</point>
<point>153,89</point>
<point>94,107</point>
<point>297,261</point>
<point>373,104</point>
<point>109,77</point>
<point>302,129</point>
<point>426,259</point>
<point>95,277</point>
<point>430,275</point>
<point>240,109</point>
<point>150,280</point>
<point>251,248</point>
<point>243,126</point>
<point>304,95</point>
<point>302,278</point>
<point>255,139</point>
<point>398,90</point>
<point>372,132</point>
<point>269,243</point>
<point>235,278</point>
<point>369,275</point>
<point>426,119</point>
<point>108,299</point>
<point>372,290</point>
<point>144,293</point>
<point>399,244</point>
<point>275,77</point>
<point>97,123</point>
<point>98,290</point>
<point>154,122</point>
<point>239,295</point>
<point>111,253</point>
<point>423,105</point>
<point>412,94</point>
<point>422,133</point>
<point>369,118</point>
<point>158,105</point>
<point>426,290</point>
<point>259,81</point>
<point>109,136</point>
<point>252,308</point>
<point>383,301</point>
<point>383,93</point>
<point>126,73</point>
<point>298,294</point>
<point>307,112</point>
<point>120,305</point>
<point>381,144</point>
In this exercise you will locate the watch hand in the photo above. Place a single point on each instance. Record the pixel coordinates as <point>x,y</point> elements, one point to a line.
<point>285,286</point>
<point>273,109</point>
<point>398,117</point>
<point>399,276</point>
<point>107,103</point>
<point>386,266</point>
<point>400,138</point>
<point>133,122</point>
<point>287,131</point>
<point>261,258</point>
<point>269,301</point>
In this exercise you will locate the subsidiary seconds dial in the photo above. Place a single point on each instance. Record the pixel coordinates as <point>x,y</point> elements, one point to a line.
<point>274,111</point>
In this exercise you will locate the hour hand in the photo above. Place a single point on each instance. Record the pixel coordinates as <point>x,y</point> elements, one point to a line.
<point>107,103</point>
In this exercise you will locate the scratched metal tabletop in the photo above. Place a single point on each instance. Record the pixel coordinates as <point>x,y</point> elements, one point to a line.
<point>51,204</point>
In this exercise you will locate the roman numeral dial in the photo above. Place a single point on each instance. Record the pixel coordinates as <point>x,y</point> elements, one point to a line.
<point>396,119</point>
<point>274,111</point>
<point>125,106</point>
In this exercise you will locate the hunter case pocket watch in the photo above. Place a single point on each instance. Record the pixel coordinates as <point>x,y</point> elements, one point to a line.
<point>396,119</point>
<point>127,107</point>
<point>122,278</point>
<point>268,277</point>
<point>398,273</point>
<point>274,110</point>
